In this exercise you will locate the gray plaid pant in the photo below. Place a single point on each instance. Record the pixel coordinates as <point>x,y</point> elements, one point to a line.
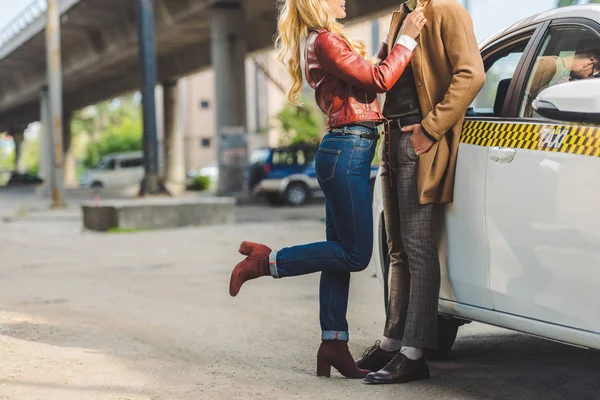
<point>413,232</point>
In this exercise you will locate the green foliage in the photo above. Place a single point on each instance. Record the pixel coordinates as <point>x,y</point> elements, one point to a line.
<point>200,183</point>
<point>126,230</point>
<point>300,125</point>
<point>564,3</point>
<point>114,127</point>
<point>113,142</point>
<point>7,160</point>
<point>31,156</point>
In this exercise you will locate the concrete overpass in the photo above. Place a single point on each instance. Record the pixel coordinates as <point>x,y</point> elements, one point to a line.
<point>100,58</point>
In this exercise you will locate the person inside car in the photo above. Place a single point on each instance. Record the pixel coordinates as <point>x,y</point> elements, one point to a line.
<point>553,70</point>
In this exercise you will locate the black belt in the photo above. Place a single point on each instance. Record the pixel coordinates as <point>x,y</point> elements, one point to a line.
<point>406,121</point>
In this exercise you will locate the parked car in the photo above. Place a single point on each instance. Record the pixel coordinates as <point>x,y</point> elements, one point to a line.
<point>521,246</point>
<point>115,170</point>
<point>26,179</point>
<point>288,174</point>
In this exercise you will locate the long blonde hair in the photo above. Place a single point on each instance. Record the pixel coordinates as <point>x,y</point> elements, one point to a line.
<point>296,19</point>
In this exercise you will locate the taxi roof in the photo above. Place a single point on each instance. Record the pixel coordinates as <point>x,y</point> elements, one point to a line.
<point>588,11</point>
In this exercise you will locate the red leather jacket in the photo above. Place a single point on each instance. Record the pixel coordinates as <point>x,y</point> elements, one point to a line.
<point>345,84</point>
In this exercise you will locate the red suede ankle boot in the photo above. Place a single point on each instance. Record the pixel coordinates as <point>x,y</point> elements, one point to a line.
<point>335,353</point>
<point>254,266</point>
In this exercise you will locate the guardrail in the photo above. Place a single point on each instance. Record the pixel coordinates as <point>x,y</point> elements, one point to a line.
<point>34,10</point>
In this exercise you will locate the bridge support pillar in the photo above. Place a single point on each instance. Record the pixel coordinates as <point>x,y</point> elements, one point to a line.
<point>18,135</point>
<point>152,183</point>
<point>228,62</point>
<point>55,100</point>
<point>70,167</point>
<point>45,140</point>
<point>174,141</point>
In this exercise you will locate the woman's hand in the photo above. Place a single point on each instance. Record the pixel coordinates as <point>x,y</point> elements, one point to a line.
<point>414,22</point>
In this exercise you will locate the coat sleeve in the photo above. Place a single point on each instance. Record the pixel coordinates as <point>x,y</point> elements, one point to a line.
<point>468,74</point>
<point>337,58</point>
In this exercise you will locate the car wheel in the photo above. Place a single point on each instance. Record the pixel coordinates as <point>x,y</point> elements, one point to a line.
<point>274,199</point>
<point>97,185</point>
<point>296,194</point>
<point>446,336</point>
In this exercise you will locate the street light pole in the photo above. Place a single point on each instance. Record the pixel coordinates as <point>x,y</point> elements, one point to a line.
<point>55,131</point>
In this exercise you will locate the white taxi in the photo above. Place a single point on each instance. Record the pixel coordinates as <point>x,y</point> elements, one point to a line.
<point>521,248</point>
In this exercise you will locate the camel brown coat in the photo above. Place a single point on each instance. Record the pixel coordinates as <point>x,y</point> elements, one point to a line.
<point>449,73</point>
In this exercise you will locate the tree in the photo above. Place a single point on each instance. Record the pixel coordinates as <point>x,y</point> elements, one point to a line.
<point>564,3</point>
<point>300,125</point>
<point>112,127</point>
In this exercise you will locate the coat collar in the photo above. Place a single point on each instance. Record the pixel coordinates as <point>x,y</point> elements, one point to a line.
<point>397,20</point>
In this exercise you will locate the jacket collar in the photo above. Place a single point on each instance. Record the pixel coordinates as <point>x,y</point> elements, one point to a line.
<point>397,19</point>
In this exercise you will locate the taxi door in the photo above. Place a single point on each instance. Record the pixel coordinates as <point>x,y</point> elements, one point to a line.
<point>542,193</point>
<point>464,252</point>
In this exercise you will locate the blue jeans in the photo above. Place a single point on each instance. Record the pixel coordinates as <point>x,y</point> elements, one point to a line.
<point>343,166</point>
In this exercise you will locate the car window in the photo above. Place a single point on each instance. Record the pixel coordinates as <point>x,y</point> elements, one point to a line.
<point>293,157</point>
<point>131,163</point>
<point>568,53</point>
<point>106,165</point>
<point>500,68</point>
<point>283,158</point>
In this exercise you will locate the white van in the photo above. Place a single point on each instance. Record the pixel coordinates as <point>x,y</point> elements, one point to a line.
<point>115,170</point>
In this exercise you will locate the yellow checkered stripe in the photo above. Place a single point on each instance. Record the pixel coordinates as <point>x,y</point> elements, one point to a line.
<point>570,139</point>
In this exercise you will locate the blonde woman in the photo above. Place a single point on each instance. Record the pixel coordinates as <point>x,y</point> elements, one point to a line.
<point>346,86</point>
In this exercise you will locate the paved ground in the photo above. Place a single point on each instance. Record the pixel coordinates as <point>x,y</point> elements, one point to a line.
<point>147,316</point>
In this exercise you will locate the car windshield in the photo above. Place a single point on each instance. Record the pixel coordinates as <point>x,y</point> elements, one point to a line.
<point>106,164</point>
<point>259,156</point>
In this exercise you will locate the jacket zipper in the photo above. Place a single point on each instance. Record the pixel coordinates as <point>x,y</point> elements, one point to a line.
<point>367,102</point>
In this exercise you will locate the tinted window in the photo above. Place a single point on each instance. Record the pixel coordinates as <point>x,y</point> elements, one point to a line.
<point>131,163</point>
<point>296,157</point>
<point>569,53</point>
<point>106,165</point>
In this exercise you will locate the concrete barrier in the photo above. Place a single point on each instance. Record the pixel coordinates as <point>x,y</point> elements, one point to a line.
<point>157,213</point>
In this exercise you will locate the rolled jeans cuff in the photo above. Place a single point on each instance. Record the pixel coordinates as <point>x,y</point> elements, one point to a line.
<point>335,335</point>
<point>273,264</point>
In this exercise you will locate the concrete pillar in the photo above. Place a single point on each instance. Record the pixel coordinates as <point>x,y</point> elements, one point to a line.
<point>18,136</point>
<point>147,52</point>
<point>228,62</point>
<point>45,140</point>
<point>54,66</point>
<point>174,152</point>
<point>70,164</point>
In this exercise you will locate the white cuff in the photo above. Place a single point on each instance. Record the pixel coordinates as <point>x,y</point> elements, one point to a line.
<point>407,42</point>
<point>385,40</point>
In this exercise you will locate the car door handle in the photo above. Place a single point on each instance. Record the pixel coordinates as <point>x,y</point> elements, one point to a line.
<point>502,156</point>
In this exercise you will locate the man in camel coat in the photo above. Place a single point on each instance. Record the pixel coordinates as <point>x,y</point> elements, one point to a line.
<point>426,109</point>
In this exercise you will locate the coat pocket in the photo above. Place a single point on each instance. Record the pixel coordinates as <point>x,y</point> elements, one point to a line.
<point>325,163</point>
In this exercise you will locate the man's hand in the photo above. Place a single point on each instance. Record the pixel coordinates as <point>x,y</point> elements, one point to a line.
<point>420,142</point>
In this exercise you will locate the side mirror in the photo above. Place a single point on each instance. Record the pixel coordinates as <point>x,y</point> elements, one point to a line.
<point>577,101</point>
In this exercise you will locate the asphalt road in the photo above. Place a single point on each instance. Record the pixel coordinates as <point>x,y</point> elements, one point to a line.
<point>147,316</point>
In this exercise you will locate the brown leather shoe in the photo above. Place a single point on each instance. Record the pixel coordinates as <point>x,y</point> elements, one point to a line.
<point>335,353</point>
<point>375,358</point>
<point>254,266</point>
<point>401,370</point>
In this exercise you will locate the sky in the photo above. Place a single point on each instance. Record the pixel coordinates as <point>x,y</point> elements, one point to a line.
<point>489,16</point>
